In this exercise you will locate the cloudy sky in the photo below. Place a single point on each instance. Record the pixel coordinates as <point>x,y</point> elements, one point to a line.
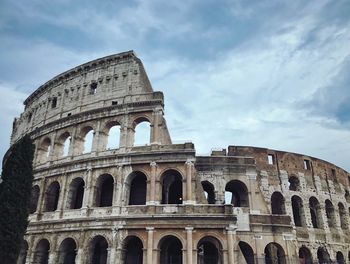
<point>265,73</point>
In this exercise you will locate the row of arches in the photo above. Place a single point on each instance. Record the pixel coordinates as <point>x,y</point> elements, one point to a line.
<point>278,207</point>
<point>108,138</point>
<point>170,249</point>
<point>236,193</point>
<point>135,191</point>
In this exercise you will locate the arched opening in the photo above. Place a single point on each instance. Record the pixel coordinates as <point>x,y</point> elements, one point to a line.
<point>133,250</point>
<point>34,199</point>
<point>209,192</point>
<point>104,191</point>
<point>142,132</point>
<point>88,139</point>
<point>330,214</point>
<point>76,194</point>
<point>23,253</point>
<point>41,253</point>
<point>98,250</point>
<point>209,251</point>
<point>171,187</point>
<point>52,196</point>
<point>238,192</point>
<point>277,204</point>
<point>274,254</point>
<point>342,216</point>
<point>247,252</point>
<point>44,150</point>
<point>315,212</point>
<point>323,256</point>
<point>298,211</point>
<point>138,188</point>
<point>170,250</point>
<point>340,258</point>
<point>294,184</point>
<point>305,256</point>
<point>67,251</point>
<point>63,145</point>
<point>113,140</point>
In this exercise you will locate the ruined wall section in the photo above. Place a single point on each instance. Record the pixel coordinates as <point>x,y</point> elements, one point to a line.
<point>112,80</point>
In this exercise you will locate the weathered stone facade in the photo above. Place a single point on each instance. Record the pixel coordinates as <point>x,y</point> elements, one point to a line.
<point>160,203</point>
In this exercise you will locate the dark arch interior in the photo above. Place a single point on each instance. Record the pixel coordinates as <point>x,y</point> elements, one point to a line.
<point>172,188</point>
<point>305,256</point>
<point>340,258</point>
<point>105,191</point>
<point>298,213</point>
<point>239,193</point>
<point>315,212</point>
<point>67,251</point>
<point>277,204</point>
<point>99,250</point>
<point>138,188</point>
<point>41,254</point>
<point>52,196</point>
<point>23,253</point>
<point>34,199</point>
<point>323,256</point>
<point>170,250</point>
<point>77,193</point>
<point>294,184</point>
<point>274,254</point>
<point>133,251</point>
<point>209,189</point>
<point>247,252</point>
<point>330,213</point>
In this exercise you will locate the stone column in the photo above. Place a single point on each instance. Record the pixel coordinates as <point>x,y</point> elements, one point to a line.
<point>150,231</point>
<point>189,170</point>
<point>87,188</point>
<point>252,192</point>
<point>189,248</point>
<point>40,206</point>
<point>231,231</point>
<point>80,255</point>
<point>53,257</point>
<point>155,126</point>
<point>153,176</point>
<point>96,138</point>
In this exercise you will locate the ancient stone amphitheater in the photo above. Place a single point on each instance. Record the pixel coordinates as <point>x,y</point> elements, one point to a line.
<point>98,197</point>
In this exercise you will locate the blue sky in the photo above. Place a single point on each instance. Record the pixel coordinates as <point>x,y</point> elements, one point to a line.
<point>264,73</point>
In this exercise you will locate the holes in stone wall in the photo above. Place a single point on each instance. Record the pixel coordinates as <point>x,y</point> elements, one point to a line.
<point>236,193</point>
<point>51,197</point>
<point>171,187</point>
<point>298,211</point>
<point>209,192</point>
<point>277,204</point>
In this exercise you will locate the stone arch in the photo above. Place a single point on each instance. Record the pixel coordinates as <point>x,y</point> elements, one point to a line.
<point>342,215</point>
<point>41,253</point>
<point>172,192</point>
<point>112,135</point>
<point>274,254</point>
<point>209,191</point>
<point>294,183</point>
<point>170,248</point>
<point>330,214</point>
<point>98,250</point>
<point>84,140</point>
<point>305,256</point>
<point>136,185</point>
<point>23,253</point>
<point>247,252</point>
<point>75,193</point>
<point>34,198</point>
<point>340,258</point>
<point>132,250</point>
<point>52,195</point>
<point>298,211</point>
<point>67,251</point>
<point>278,204</point>
<point>104,191</point>
<point>209,250</point>
<point>63,144</point>
<point>44,150</point>
<point>323,255</point>
<point>315,212</point>
<point>238,192</point>
<point>142,131</point>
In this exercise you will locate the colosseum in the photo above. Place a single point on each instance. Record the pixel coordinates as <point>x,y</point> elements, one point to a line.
<point>98,197</point>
